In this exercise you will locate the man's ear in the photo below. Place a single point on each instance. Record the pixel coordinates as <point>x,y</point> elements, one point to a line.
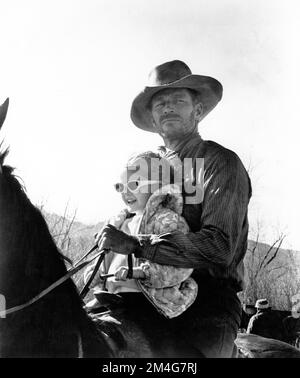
<point>198,110</point>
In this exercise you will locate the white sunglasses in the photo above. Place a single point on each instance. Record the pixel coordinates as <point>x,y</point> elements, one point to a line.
<point>133,186</point>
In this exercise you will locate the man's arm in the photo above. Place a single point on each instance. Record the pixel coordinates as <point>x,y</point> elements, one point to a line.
<point>160,276</point>
<point>224,214</point>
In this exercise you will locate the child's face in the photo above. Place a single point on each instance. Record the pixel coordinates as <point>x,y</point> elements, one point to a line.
<point>136,201</point>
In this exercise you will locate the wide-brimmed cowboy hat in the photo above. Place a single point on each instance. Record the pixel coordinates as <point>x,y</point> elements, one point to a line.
<point>262,304</point>
<point>174,74</point>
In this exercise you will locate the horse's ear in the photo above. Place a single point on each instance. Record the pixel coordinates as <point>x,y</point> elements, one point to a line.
<point>3,111</point>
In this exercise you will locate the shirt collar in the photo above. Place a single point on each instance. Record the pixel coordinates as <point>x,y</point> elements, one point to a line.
<point>185,145</point>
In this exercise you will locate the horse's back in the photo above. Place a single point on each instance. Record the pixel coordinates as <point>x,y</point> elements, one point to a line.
<point>131,338</point>
<point>126,339</point>
<point>254,346</point>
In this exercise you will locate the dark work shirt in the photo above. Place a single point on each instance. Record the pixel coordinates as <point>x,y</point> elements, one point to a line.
<point>217,241</point>
<point>265,323</point>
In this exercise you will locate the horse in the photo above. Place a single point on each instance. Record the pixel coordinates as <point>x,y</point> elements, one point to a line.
<point>57,325</point>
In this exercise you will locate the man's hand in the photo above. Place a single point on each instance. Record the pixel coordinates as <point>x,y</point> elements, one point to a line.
<point>112,239</point>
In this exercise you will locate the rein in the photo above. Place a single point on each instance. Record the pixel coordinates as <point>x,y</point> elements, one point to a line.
<point>86,288</point>
<point>61,280</point>
<point>77,267</point>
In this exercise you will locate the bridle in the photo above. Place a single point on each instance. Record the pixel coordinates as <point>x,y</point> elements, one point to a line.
<point>86,288</point>
<point>77,267</point>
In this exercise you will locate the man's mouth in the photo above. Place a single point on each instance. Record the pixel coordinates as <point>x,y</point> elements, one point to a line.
<point>169,121</point>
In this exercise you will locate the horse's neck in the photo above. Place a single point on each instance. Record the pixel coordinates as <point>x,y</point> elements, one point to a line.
<point>54,326</point>
<point>30,262</point>
<point>49,328</point>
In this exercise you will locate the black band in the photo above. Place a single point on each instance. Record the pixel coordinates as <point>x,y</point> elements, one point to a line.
<point>86,288</point>
<point>130,271</point>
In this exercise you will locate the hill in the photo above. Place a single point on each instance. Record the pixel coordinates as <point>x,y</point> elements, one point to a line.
<point>73,238</point>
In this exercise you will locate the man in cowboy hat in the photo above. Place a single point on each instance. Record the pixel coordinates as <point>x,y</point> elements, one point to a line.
<point>172,105</point>
<point>266,323</point>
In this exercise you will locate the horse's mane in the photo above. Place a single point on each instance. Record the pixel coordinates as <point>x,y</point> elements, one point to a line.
<point>15,183</point>
<point>7,170</point>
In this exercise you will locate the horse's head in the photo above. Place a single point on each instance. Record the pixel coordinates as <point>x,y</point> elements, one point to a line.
<point>28,254</point>
<point>29,263</point>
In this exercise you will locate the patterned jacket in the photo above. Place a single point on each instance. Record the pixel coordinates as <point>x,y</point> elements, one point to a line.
<point>170,289</point>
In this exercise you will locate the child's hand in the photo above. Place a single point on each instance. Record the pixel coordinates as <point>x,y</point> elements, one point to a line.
<point>138,273</point>
<point>121,273</point>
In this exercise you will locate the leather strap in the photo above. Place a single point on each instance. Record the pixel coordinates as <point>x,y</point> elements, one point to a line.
<point>130,266</point>
<point>68,275</point>
<point>86,287</point>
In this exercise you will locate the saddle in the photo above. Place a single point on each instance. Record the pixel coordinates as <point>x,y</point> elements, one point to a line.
<point>104,301</point>
<point>126,338</point>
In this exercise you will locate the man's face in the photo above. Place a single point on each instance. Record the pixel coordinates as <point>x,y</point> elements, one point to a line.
<point>174,112</point>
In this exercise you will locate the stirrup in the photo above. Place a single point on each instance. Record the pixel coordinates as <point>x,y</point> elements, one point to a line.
<point>108,300</point>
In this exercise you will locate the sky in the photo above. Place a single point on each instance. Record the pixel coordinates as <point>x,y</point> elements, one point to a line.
<point>73,68</point>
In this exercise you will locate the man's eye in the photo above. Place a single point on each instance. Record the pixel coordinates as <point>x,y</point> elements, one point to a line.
<point>158,105</point>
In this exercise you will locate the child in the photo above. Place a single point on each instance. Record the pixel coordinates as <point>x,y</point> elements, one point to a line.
<point>153,207</point>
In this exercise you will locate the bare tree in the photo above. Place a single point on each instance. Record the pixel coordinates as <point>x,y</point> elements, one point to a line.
<point>72,240</point>
<point>60,228</point>
<point>271,272</point>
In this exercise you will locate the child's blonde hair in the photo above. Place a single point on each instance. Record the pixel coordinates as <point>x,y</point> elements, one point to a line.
<point>158,166</point>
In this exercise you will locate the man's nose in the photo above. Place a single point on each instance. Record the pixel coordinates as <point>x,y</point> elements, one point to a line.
<point>169,107</point>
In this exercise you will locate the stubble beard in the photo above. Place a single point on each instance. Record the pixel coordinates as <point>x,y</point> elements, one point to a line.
<point>177,133</point>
